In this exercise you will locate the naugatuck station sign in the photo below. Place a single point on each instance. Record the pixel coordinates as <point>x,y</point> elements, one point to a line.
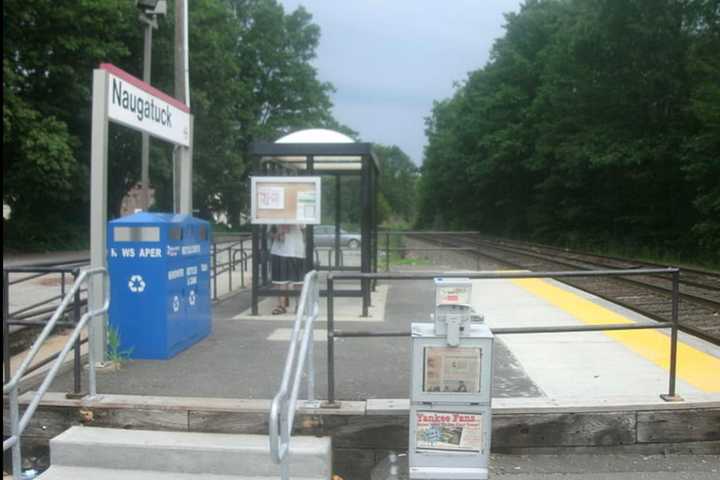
<point>137,105</point>
<point>123,99</point>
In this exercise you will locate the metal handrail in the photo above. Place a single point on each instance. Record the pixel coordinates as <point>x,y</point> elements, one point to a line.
<point>282,409</point>
<point>332,333</point>
<point>229,266</point>
<point>17,423</point>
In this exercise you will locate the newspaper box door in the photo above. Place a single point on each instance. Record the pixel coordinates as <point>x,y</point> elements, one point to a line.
<point>450,412</point>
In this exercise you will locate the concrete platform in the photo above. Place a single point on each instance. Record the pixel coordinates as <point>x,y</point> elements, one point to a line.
<point>599,367</point>
<point>244,356</point>
<point>552,392</point>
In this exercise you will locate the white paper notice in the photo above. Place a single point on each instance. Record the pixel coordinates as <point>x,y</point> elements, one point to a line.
<point>270,198</point>
<point>306,206</point>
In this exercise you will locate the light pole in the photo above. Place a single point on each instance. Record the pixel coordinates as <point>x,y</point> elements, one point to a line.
<point>149,10</point>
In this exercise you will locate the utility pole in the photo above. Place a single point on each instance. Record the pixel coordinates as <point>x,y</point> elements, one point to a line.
<point>147,67</point>
<point>182,157</point>
<point>180,54</point>
<point>149,11</point>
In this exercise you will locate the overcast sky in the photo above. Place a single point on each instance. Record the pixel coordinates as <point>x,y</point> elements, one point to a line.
<point>389,60</point>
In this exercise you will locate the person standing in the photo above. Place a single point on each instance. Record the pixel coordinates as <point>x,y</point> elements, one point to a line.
<point>287,260</point>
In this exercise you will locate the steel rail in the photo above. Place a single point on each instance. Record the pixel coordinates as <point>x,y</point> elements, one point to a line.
<point>300,353</point>
<point>18,424</point>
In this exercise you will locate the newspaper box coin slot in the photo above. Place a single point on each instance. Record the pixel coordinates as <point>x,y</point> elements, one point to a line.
<point>451,387</point>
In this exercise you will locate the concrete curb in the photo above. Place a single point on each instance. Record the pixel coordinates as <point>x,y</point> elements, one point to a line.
<point>363,432</point>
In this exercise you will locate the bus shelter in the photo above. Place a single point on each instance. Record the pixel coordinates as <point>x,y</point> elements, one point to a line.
<point>324,153</point>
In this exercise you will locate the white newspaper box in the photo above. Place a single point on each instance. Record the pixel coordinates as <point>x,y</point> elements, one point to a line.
<point>450,395</point>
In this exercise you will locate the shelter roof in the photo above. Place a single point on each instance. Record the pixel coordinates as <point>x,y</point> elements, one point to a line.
<point>331,151</point>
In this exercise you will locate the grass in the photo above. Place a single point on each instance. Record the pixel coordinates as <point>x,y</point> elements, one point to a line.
<point>398,256</point>
<point>410,261</point>
<point>116,357</point>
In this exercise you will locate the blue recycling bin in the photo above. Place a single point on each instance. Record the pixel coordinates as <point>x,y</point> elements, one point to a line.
<point>159,267</point>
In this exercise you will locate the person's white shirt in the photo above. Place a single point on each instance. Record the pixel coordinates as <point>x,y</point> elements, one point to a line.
<point>292,245</point>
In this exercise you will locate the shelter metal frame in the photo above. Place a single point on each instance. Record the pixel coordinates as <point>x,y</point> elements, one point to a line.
<point>320,159</point>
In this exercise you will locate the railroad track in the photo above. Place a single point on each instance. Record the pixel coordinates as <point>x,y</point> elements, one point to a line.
<point>649,295</point>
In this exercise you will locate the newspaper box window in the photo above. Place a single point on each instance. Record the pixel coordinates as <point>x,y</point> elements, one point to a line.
<point>451,388</point>
<point>286,189</point>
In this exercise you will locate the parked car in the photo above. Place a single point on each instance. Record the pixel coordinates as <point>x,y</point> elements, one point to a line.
<point>324,236</point>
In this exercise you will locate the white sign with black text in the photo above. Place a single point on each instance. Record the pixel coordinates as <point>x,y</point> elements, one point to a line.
<point>137,105</point>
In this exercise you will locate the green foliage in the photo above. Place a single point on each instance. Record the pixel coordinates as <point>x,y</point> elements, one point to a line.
<point>398,178</point>
<point>49,51</point>
<point>250,78</point>
<point>396,194</point>
<point>116,356</point>
<point>594,122</point>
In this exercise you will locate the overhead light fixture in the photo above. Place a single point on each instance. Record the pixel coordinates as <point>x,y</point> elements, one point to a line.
<point>152,7</point>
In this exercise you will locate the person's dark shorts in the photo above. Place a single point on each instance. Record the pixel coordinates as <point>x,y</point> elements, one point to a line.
<point>287,269</point>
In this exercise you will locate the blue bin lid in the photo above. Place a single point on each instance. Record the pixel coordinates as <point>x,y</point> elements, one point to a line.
<point>145,217</point>
<point>154,218</point>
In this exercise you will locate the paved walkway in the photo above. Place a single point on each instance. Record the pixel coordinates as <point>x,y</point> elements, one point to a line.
<point>605,467</point>
<point>592,467</point>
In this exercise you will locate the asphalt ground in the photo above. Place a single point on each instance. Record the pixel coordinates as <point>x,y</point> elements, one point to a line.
<point>590,467</point>
<point>238,360</point>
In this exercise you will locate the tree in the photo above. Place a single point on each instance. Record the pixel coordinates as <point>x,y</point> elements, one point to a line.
<point>250,78</point>
<point>398,178</point>
<point>49,52</point>
<point>595,122</point>
<point>701,150</point>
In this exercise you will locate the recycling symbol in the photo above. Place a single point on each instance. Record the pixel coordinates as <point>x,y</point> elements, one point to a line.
<point>191,297</point>
<point>176,303</point>
<point>136,284</point>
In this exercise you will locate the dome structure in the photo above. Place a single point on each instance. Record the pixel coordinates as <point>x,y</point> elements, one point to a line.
<point>315,135</point>
<point>318,136</point>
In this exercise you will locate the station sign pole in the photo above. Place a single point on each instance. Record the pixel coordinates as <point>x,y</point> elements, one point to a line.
<point>122,98</point>
<point>98,211</point>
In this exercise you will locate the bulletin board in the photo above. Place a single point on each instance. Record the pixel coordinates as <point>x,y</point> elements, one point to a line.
<point>287,200</point>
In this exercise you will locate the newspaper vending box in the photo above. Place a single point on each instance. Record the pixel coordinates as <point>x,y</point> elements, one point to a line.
<point>451,388</point>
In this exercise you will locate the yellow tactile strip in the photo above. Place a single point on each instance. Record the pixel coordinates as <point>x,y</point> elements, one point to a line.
<point>699,369</point>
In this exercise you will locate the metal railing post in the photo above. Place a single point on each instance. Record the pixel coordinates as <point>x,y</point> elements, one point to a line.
<point>6,327</point>
<point>244,255</point>
<point>387,251</point>
<point>243,266</point>
<point>214,266</point>
<point>230,269</point>
<point>331,339</point>
<point>62,284</point>
<point>77,364</point>
<point>672,395</point>
<point>15,432</point>
<point>315,296</point>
